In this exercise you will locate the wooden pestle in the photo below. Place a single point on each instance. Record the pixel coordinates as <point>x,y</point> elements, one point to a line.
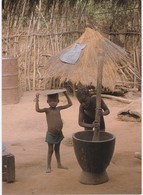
<point>96,135</point>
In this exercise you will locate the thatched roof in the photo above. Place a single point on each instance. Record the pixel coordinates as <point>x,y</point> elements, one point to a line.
<point>116,61</point>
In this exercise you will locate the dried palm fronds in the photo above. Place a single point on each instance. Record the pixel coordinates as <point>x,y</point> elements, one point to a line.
<point>117,64</point>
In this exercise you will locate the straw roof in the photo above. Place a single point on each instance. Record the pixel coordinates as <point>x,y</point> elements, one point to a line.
<point>85,69</point>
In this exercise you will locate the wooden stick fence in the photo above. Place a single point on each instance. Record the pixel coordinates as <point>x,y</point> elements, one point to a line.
<point>33,58</point>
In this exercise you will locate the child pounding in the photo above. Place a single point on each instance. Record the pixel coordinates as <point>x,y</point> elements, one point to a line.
<point>87,109</point>
<point>54,133</point>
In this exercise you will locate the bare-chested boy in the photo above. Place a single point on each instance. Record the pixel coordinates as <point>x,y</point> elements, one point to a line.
<point>54,133</point>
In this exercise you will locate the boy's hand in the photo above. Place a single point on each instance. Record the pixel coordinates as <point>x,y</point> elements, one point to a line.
<point>95,124</point>
<point>37,96</point>
<point>100,112</point>
<point>65,92</point>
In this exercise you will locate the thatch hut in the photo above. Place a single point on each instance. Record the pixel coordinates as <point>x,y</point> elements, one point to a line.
<point>117,64</point>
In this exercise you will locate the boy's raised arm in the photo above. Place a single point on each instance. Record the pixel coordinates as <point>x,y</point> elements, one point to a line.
<point>37,104</point>
<point>69,101</point>
<point>105,108</point>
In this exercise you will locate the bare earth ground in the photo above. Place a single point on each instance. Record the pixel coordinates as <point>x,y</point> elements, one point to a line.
<point>24,133</point>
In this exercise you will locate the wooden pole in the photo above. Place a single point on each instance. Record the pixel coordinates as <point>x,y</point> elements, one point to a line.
<point>135,67</point>
<point>96,135</point>
<point>27,52</point>
<point>34,63</point>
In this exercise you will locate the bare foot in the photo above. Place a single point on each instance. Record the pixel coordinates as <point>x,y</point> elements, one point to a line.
<point>62,167</point>
<point>49,170</point>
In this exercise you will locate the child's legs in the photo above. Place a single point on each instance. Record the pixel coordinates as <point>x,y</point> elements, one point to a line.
<point>57,153</point>
<point>50,152</point>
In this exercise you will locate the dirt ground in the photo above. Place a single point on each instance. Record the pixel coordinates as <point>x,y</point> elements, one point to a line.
<point>23,133</point>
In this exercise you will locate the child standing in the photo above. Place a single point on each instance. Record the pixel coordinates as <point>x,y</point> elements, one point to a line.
<point>54,133</point>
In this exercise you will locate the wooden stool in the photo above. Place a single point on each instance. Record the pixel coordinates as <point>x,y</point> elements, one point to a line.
<point>8,167</point>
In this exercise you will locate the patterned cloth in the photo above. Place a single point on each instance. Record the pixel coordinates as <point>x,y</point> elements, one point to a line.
<point>53,139</point>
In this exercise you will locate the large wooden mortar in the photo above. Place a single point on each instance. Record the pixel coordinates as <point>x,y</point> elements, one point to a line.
<point>93,156</point>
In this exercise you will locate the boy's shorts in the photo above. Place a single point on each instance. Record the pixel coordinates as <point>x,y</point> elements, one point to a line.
<point>53,139</point>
